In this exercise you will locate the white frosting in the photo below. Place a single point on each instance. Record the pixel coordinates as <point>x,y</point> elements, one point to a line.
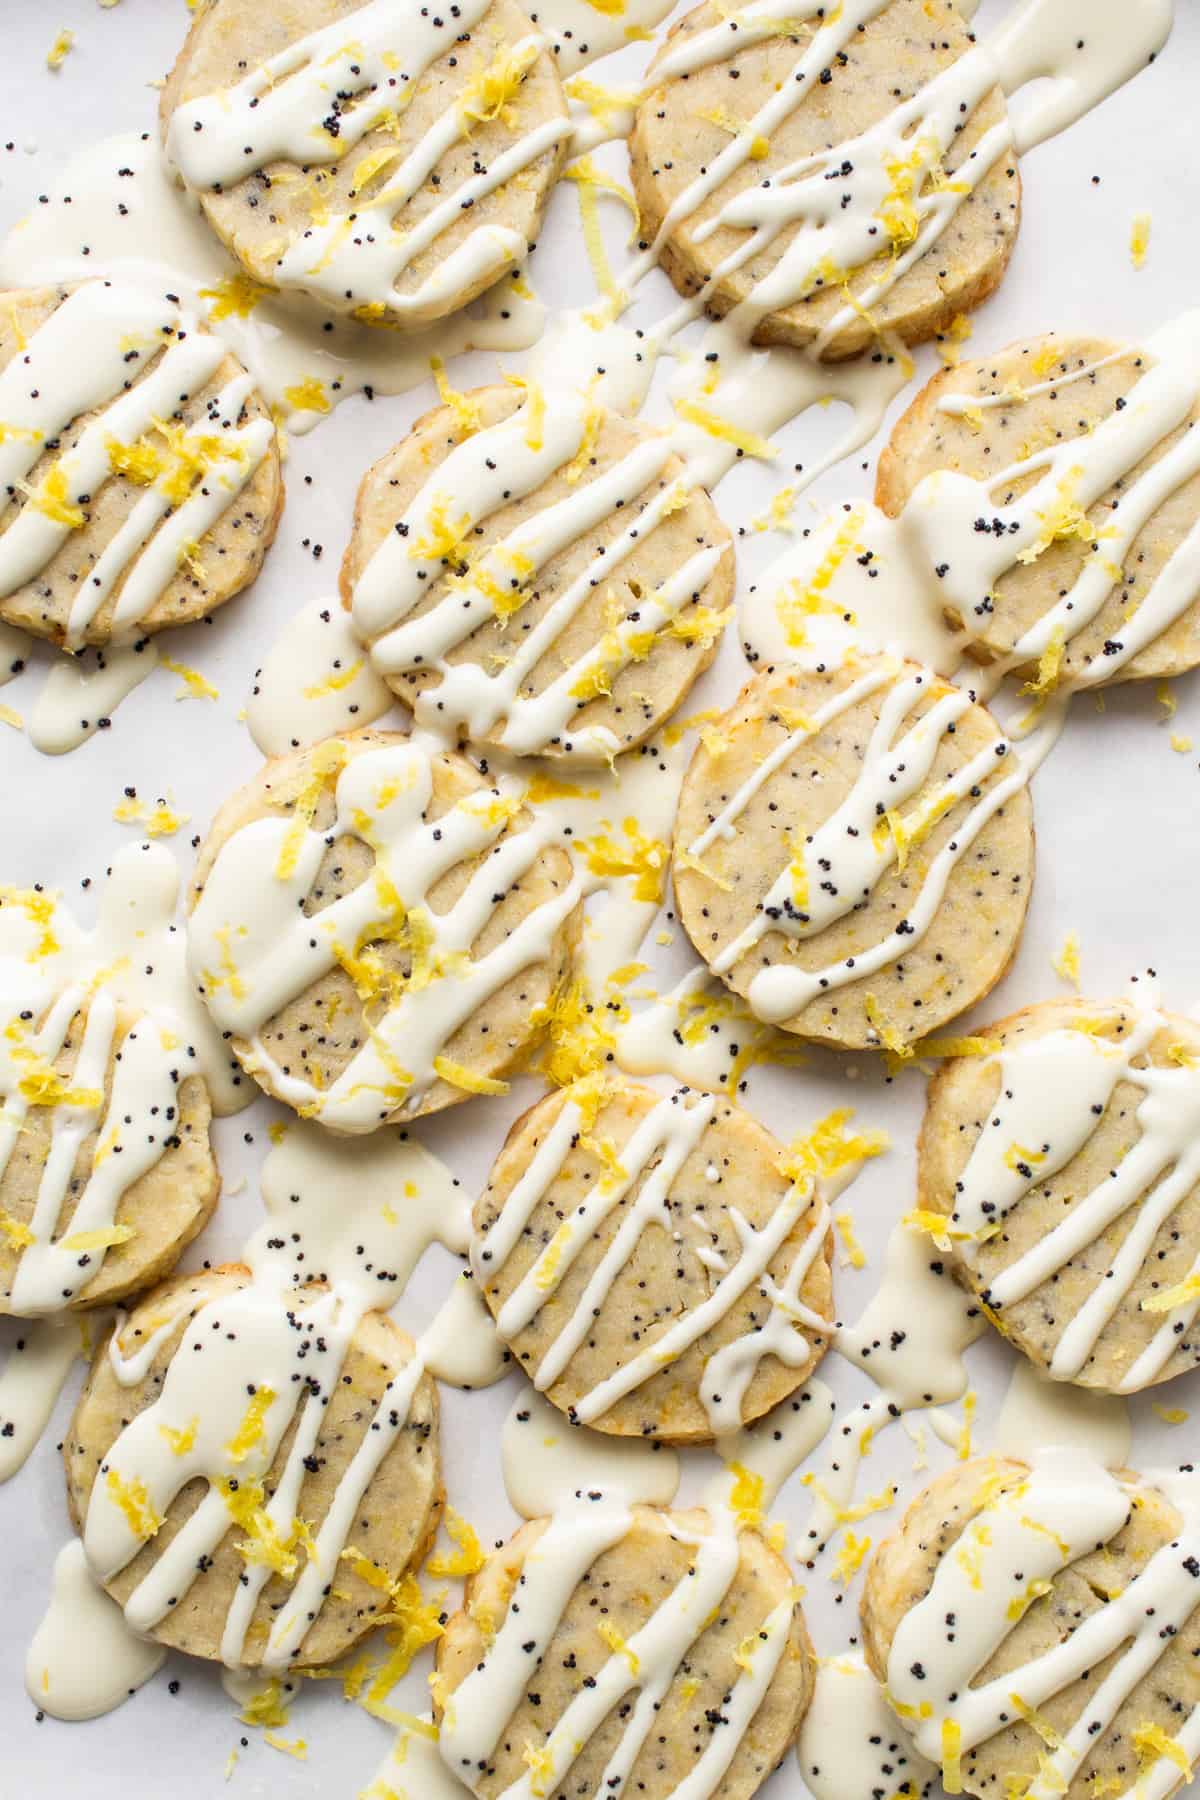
<point>1066,1506</point>
<point>81,694</point>
<point>1054,1091</point>
<point>84,1660</point>
<point>39,1359</point>
<point>850,1746</point>
<point>1038,1413</point>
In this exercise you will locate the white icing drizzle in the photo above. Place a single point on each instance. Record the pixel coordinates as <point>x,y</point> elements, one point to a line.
<point>39,1359</point>
<point>461,1346</point>
<point>413,1766</point>
<point>850,1746</point>
<point>316,680</point>
<point>359,73</point>
<point>546,1462</point>
<point>84,1660</point>
<point>651,1160</point>
<point>696,1031</point>
<point>116,211</point>
<point>252,950</point>
<point>14,652</point>
<point>1062,1510</point>
<point>585,1520</point>
<point>580,33</point>
<point>337,1203</point>
<point>85,356</point>
<point>1054,1089</point>
<point>1038,1413</point>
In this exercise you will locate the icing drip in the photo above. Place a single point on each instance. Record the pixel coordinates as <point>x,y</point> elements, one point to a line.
<point>82,692</point>
<point>1038,1413</point>
<point>1054,1092</point>
<point>84,1660</point>
<point>1058,1513</point>
<point>86,355</point>
<point>850,1746</point>
<point>315,681</point>
<point>253,951</point>
<point>281,111</point>
<point>650,1162</point>
<point>36,1367</point>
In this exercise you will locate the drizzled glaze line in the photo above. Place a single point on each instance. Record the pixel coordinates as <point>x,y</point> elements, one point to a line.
<point>1054,1093</point>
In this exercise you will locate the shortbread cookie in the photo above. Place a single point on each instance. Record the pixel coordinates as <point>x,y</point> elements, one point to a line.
<point>535,572</point>
<point>211,1469</point>
<point>1037,1629</point>
<point>854,851</point>
<point>1082,460</point>
<point>634,1248</point>
<point>871,159</point>
<point>391,161</point>
<point>1066,1166</point>
<point>711,1707</point>
<point>106,1171</point>
<point>139,463</point>
<point>378,929</point>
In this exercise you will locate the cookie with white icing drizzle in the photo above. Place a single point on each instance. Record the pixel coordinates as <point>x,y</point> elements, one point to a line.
<point>1066,1166</point>
<point>617,1673</point>
<point>379,928</point>
<point>247,1478</point>
<point>1037,1628</point>
<point>1054,488</point>
<point>106,1171</point>
<point>828,172</point>
<point>537,572</point>
<point>853,851</point>
<point>651,1261</point>
<point>390,160</point>
<point>139,468</point>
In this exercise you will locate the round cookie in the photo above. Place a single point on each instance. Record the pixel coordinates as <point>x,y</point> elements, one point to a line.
<point>392,164</point>
<point>1077,1572</point>
<point>628,645</point>
<point>1010,408</point>
<point>1063,1164</point>
<point>853,851</point>
<point>106,1171</point>
<point>115,1434</point>
<point>363,910</point>
<point>665,1178</point>
<point>811,134</point>
<point>139,466</point>
<point>621,1591</point>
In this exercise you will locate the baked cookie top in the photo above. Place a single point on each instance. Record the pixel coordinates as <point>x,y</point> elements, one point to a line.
<point>661,1647</point>
<point>853,851</point>
<point>233,1446</point>
<point>826,173</point>
<point>390,160</point>
<point>537,572</point>
<point>1052,492</point>
<point>1061,1171</point>
<point>106,1171</point>
<point>655,1264</point>
<point>379,928</point>
<point>139,469</point>
<point>1038,1627</point>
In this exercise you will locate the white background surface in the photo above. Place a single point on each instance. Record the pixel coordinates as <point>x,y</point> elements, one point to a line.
<point>1116,811</point>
